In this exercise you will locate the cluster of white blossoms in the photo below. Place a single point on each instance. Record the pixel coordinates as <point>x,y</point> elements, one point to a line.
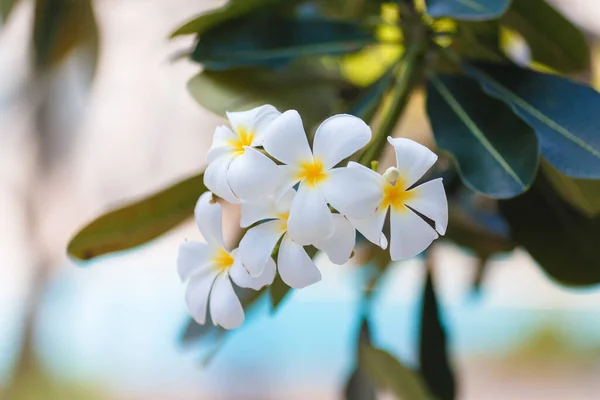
<point>293,196</point>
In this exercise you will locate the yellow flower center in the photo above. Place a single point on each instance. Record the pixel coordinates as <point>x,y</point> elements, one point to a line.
<point>244,138</point>
<point>312,172</point>
<point>283,220</point>
<point>395,196</point>
<point>222,260</point>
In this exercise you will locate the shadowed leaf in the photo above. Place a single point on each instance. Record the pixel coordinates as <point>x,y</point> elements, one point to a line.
<point>139,222</point>
<point>467,9</point>
<point>433,352</point>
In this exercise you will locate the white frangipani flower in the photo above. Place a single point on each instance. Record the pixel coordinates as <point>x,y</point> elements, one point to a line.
<point>295,266</point>
<point>410,234</point>
<point>236,170</point>
<point>209,267</point>
<point>351,191</point>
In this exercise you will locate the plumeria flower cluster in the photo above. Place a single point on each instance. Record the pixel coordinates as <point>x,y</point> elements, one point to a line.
<point>293,195</point>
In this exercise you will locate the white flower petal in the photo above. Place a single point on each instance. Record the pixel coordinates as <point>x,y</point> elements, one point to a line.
<point>225,307</point>
<point>193,258</point>
<point>410,234</point>
<point>286,140</point>
<point>242,278</point>
<point>295,267</point>
<point>284,202</point>
<point>254,212</point>
<point>354,192</point>
<point>371,227</point>
<point>339,137</point>
<point>196,295</point>
<point>430,200</point>
<point>221,143</point>
<point>262,124</point>
<point>310,219</point>
<point>249,120</point>
<point>253,176</point>
<point>413,159</point>
<point>339,246</point>
<point>215,178</point>
<point>208,218</point>
<point>289,179</point>
<point>257,245</point>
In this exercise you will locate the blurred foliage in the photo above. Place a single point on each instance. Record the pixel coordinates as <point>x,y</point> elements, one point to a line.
<point>520,154</point>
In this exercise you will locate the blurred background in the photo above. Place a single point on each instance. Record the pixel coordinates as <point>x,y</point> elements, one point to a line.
<point>72,148</point>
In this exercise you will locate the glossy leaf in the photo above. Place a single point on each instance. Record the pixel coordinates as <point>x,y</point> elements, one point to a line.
<point>496,153</point>
<point>233,9</point>
<point>558,237</point>
<point>433,351</point>
<point>556,108</point>
<point>389,374</point>
<point>552,39</point>
<point>583,194</point>
<point>139,222</point>
<point>313,91</point>
<point>467,9</point>
<point>270,40</point>
<point>59,27</point>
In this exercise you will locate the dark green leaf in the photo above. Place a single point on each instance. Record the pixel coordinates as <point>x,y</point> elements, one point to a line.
<point>556,108</point>
<point>496,153</point>
<point>552,39</point>
<point>270,40</point>
<point>139,222</point>
<point>278,291</point>
<point>6,7</point>
<point>559,238</point>
<point>467,9</point>
<point>59,27</point>
<point>233,9</point>
<point>433,351</point>
<point>370,99</point>
<point>583,194</point>
<point>390,375</point>
<point>313,91</point>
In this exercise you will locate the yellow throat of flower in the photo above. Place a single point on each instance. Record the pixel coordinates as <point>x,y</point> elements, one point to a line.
<point>312,172</point>
<point>395,196</point>
<point>244,138</point>
<point>222,260</point>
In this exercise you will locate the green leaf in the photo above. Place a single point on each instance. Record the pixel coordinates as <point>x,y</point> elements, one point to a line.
<point>138,223</point>
<point>467,9</point>
<point>308,88</point>
<point>556,108</point>
<point>583,194</point>
<point>496,153</point>
<point>59,27</point>
<point>389,374</point>
<point>433,352</point>
<point>371,98</point>
<point>552,39</point>
<point>270,40</point>
<point>6,7</point>
<point>233,9</point>
<point>558,237</point>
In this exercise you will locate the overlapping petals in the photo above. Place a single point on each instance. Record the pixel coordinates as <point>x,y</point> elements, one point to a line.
<point>410,234</point>
<point>208,268</point>
<point>237,171</point>
<point>294,196</point>
<point>320,183</point>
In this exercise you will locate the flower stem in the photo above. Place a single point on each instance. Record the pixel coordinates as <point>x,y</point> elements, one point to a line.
<point>405,83</point>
